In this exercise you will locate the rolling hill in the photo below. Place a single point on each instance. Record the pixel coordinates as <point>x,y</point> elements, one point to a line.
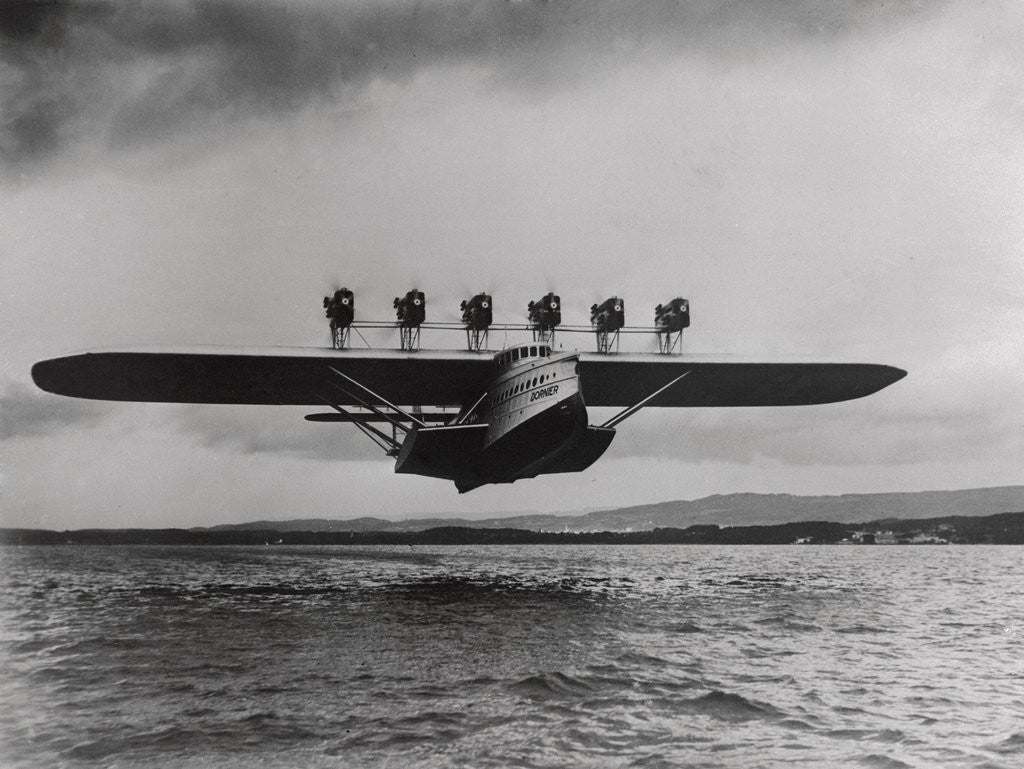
<point>720,509</point>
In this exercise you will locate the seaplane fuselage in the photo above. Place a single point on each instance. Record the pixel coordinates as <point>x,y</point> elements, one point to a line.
<point>532,417</point>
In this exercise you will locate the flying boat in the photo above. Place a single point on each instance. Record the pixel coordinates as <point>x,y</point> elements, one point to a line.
<point>472,416</point>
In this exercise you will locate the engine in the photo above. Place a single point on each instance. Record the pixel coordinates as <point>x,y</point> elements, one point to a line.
<point>672,317</point>
<point>546,313</point>
<point>477,313</point>
<point>411,310</point>
<point>340,308</point>
<point>609,316</point>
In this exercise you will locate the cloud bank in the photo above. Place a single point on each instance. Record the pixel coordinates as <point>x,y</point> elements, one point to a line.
<point>113,76</point>
<point>25,411</point>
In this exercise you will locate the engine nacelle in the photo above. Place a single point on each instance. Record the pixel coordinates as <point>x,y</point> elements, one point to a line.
<point>545,313</point>
<point>340,308</point>
<point>478,312</point>
<point>674,316</point>
<point>411,310</point>
<point>608,316</point>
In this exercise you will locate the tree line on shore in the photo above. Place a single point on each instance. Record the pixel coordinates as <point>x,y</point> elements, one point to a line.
<point>1000,529</point>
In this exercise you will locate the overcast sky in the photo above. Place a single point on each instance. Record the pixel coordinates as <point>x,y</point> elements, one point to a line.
<point>841,180</point>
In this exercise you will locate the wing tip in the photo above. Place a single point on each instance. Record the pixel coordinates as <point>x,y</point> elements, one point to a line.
<point>877,376</point>
<point>44,377</point>
<point>894,374</point>
<point>73,376</point>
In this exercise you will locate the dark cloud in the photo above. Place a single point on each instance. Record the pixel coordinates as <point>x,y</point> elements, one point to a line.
<point>128,75</point>
<point>31,20</point>
<point>25,411</point>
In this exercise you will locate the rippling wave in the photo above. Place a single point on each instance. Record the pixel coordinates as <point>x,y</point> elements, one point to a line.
<point>533,656</point>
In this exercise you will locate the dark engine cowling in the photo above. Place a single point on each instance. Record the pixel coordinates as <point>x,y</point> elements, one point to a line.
<point>340,308</point>
<point>609,316</point>
<point>411,310</point>
<point>545,313</point>
<point>674,316</point>
<point>477,312</point>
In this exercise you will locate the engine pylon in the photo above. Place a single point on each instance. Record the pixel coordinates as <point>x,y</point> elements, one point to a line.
<point>545,315</point>
<point>669,320</point>
<point>411,311</point>
<point>341,310</point>
<point>607,319</point>
<point>477,314</point>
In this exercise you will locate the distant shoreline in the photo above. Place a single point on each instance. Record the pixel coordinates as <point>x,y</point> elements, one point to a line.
<point>998,529</point>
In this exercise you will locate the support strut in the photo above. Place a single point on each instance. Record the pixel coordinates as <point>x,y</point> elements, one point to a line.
<point>340,336</point>
<point>409,337</point>
<point>395,424</point>
<point>627,413</point>
<point>476,339</point>
<point>383,400</point>
<point>384,441</point>
<point>669,341</point>
<point>544,335</point>
<point>607,341</point>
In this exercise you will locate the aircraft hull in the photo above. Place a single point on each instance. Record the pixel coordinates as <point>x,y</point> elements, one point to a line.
<point>528,389</point>
<point>524,450</point>
<point>461,454</point>
<point>533,422</point>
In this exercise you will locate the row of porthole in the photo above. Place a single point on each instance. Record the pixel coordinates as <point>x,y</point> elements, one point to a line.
<point>525,386</point>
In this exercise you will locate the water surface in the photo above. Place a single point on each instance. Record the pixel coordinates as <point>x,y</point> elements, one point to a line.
<point>534,656</point>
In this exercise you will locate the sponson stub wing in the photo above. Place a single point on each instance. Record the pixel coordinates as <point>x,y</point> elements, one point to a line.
<point>293,376</point>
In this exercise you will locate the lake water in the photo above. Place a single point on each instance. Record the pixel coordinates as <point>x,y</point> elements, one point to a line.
<point>534,656</point>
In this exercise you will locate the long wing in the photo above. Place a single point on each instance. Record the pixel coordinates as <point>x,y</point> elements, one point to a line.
<point>718,380</point>
<point>273,375</point>
<point>303,376</point>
